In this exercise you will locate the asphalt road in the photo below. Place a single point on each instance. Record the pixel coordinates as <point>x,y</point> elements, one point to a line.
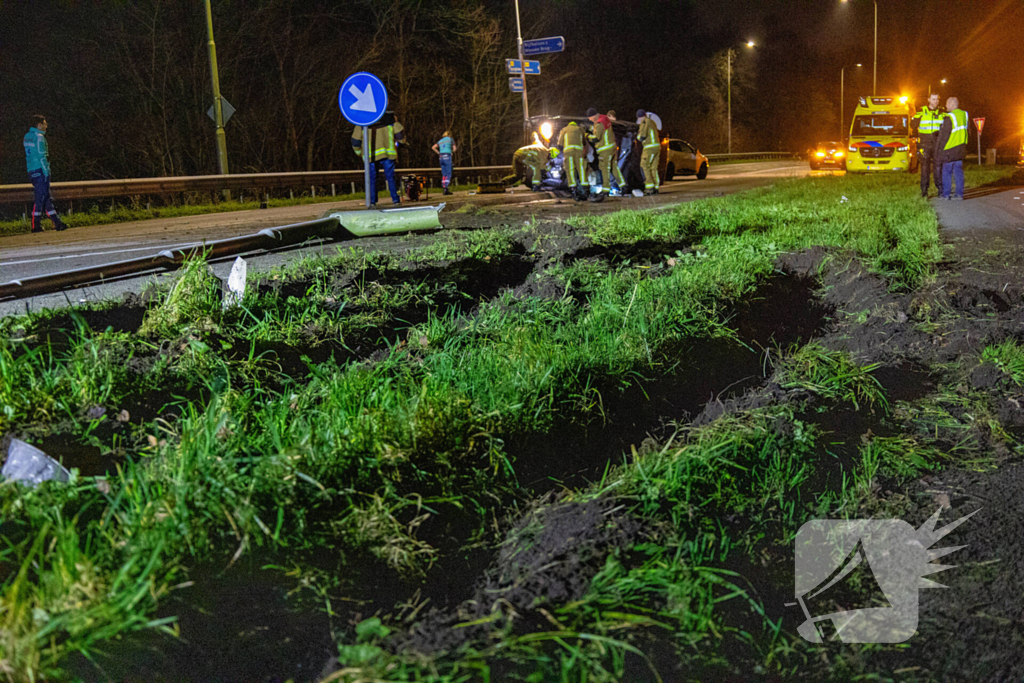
<point>31,255</point>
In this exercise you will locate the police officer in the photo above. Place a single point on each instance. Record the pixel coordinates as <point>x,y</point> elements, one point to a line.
<point>386,136</point>
<point>927,122</point>
<point>951,148</point>
<point>648,137</point>
<point>38,162</point>
<point>603,139</point>
<point>570,141</point>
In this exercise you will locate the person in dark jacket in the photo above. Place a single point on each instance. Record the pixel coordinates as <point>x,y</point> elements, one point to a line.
<point>37,158</point>
<point>951,148</point>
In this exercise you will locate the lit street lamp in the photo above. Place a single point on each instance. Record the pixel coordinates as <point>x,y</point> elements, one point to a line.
<point>842,102</point>
<point>943,82</point>
<point>750,44</point>
<point>874,78</point>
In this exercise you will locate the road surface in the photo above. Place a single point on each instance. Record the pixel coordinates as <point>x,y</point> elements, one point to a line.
<point>32,255</point>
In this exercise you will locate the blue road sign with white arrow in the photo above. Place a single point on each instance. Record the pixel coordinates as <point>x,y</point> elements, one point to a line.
<point>514,66</point>
<point>543,46</point>
<point>515,84</point>
<point>362,99</point>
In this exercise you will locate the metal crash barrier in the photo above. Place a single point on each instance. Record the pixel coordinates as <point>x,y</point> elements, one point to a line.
<point>339,226</point>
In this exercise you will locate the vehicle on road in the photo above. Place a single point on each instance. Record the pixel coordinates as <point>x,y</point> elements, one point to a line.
<point>880,137</point>
<point>828,155</point>
<point>681,158</point>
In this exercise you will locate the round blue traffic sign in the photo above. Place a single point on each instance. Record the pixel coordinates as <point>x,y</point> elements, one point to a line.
<point>362,99</point>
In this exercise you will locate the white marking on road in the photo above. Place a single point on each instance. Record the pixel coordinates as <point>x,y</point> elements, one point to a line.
<point>91,254</point>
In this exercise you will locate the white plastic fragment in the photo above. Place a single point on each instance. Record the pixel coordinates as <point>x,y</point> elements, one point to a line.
<point>29,465</point>
<point>236,283</point>
<point>844,199</point>
<point>638,193</point>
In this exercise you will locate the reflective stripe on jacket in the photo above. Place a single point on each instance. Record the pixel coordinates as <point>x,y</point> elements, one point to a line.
<point>929,121</point>
<point>571,137</point>
<point>603,137</point>
<point>649,134</point>
<point>36,152</point>
<point>958,135</point>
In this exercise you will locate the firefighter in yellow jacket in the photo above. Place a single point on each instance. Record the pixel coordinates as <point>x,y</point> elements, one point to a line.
<point>570,141</point>
<point>386,136</point>
<point>648,137</point>
<point>533,157</point>
<point>603,139</point>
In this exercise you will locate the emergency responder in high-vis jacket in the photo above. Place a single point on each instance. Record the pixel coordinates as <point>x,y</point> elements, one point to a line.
<point>951,148</point>
<point>529,161</point>
<point>570,141</point>
<point>386,135</point>
<point>37,159</point>
<point>927,122</point>
<point>603,140</point>
<point>649,138</point>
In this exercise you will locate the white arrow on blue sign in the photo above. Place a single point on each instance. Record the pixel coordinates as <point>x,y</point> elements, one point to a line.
<point>543,46</point>
<point>515,84</point>
<point>362,99</point>
<point>514,67</point>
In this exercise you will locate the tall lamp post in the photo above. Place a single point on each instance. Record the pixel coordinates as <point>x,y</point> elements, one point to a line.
<point>874,78</point>
<point>729,55</point>
<point>218,109</point>
<point>842,101</point>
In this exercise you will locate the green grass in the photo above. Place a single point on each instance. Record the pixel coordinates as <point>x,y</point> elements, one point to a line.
<point>355,457</point>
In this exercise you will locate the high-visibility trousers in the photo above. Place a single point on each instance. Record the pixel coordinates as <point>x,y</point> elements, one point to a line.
<point>535,171</point>
<point>606,163</point>
<point>573,164</point>
<point>649,165</point>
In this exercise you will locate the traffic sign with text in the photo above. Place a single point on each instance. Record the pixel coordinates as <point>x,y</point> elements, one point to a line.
<point>514,66</point>
<point>363,99</point>
<point>980,123</point>
<point>543,46</point>
<point>516,84</point>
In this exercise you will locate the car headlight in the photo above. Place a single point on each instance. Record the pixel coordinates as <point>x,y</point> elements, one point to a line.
<point>902,148</point>
<point>820,154</point>
<point>838,154</point>
<point>546,129</point>
<point>852,148</point>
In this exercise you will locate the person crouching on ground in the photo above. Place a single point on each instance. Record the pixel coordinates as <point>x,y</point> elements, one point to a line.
<point>38,160</point>
<point>445,147</point>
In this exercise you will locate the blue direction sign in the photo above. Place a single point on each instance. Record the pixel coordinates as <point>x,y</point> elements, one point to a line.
<point>362,99</point>
<point>515,84</point>
<point>514,67</point>
<point>543,46</point>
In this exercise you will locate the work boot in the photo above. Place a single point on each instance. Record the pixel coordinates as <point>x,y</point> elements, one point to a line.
<point>446,191</point>
<point>61,225</point>
<point>597,197</point>
<point>38,228</point>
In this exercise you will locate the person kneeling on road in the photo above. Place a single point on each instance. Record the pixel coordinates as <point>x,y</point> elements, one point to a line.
<point>533,157</point>
<point>38,161</point>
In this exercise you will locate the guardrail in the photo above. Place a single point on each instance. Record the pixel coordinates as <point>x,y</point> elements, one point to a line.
<point>100,189</point>
<point>751,155</point>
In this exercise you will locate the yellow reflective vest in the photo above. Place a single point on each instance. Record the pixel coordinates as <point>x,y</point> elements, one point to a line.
<point>385,139</point>
<point>649,134</point>
<point>958,134</point>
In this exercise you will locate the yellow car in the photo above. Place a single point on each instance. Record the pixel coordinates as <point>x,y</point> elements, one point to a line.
<point>828,155</point>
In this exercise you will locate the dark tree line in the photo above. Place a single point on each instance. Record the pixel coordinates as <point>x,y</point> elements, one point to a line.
<point>126,83</point>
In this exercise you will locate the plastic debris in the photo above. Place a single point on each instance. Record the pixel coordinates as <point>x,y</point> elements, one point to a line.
<point>236,283</point>
<point>844,199</point>
<point>638,193</point>
<point>29,465</point>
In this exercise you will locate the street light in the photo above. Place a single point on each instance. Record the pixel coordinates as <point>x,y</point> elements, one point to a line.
<point>943,82</point>
<point>874,78</point>
<point>218,109</point>
<point>750,44</point>
<point>842,101</point>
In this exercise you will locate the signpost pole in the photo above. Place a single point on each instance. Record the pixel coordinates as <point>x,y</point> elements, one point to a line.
<point>522,66</point>
<point>218,109</point>
<point>979,148</point>
<point>366,164</point>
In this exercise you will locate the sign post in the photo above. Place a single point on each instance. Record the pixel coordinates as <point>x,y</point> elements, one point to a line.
<point>526,106</point>
<point>980,123</point>
<point>543,46</point>
<point>363,101</point>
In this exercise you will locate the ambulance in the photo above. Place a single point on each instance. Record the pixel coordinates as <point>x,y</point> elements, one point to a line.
<point>880,137</point>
